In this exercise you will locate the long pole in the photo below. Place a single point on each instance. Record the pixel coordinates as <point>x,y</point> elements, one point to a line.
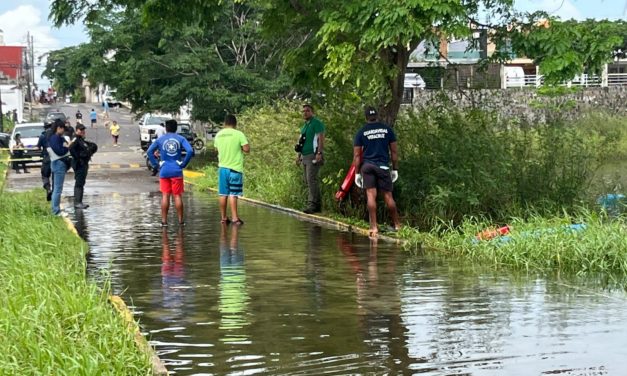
<point>31,74</point>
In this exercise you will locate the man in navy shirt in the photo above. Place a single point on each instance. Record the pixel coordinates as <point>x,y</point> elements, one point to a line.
<point>170,147</point>
<point>46,172</point>
<point>374,143</point>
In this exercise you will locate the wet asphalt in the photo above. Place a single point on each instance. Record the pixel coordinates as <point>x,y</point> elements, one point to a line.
<point>112,169</point>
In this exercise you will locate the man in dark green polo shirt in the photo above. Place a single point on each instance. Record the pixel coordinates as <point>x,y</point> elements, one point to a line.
<point>311,157</point>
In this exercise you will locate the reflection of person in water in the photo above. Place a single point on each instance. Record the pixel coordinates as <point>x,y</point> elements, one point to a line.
<point>173,284</point>
<point>379,305</point>
<point>233,290</point>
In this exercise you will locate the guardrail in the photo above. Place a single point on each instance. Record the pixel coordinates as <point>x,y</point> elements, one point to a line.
<point>617,79</point>
<point>585,80</point>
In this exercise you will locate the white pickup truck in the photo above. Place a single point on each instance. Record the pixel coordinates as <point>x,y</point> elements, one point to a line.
<point>148,126</point>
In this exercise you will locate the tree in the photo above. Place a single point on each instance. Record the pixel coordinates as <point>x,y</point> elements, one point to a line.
<point>564,49</point>
<point>221,65</point>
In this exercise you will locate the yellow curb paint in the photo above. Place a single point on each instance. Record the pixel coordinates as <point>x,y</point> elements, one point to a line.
<point>134,165</point>
<point>113,165</point>
<point>192,174</point>
<point>70,226</point>
<point>158,368</point>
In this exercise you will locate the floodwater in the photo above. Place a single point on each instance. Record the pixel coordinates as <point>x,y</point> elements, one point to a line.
<point>281,296</point>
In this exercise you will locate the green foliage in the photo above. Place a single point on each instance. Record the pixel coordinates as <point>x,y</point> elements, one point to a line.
<point>565,49</point>
<point>53,320</point>
<point>473,163</point>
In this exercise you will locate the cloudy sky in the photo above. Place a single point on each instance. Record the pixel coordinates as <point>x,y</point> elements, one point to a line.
<point>17,17</point>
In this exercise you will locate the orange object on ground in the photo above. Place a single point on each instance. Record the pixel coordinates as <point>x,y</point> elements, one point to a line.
<point>491,233</point>
<point>348,182</point>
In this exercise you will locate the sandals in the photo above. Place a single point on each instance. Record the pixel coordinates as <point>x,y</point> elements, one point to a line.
<point>228,221</point>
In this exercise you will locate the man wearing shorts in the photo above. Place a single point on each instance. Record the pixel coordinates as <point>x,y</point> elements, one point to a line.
<point>374,143</point>
<point>170,147</point>
<point>231,144</point>
<point>93,116</point>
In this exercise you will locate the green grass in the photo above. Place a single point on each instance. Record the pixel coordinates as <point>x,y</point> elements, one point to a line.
<point>540,244</point>
<point>52,320</point>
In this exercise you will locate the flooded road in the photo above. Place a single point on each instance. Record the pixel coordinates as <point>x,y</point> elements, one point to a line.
<point>285,297</point>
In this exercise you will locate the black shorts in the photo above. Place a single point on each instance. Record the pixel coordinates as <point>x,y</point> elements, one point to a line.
<point>93,121</point>
<point>376,177</point>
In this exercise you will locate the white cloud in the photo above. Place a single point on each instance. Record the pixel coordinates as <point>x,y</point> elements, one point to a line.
<point>16,24</point>
<point>564,9</point>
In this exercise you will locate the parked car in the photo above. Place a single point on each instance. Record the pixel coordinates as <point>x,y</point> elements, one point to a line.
<point>54,115</point>
<point>110,98</point>
<point>29,133</point>
<point>4,140</point>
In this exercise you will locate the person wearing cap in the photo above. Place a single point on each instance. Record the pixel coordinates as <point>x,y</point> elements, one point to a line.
<point>373,148</point>
<point>310,156</point>
<point>81,156</point>
<point>46,171</point>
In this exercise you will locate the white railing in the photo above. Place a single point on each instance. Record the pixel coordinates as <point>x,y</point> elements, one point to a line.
<point>617,79</point>
<point>533,80</point>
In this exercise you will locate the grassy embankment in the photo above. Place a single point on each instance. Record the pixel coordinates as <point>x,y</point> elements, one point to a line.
<point>53,320</point>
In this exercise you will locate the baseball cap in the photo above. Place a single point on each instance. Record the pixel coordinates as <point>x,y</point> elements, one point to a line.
<point>80,127</point>
<point>370,111</point>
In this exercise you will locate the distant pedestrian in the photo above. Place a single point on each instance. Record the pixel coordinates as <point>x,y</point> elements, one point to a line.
<point>14,116</point>
<point>60,160</point>
<point>114,128</point>
<point>82,151</point>
<point>309,148</point>
<point>232,145</point>
<point>170,147</point>
<point>373,146</point>
<point>79,117</point>
<point>93,116</point>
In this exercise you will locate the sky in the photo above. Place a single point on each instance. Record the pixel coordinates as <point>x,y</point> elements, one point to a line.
<point>17,17</point>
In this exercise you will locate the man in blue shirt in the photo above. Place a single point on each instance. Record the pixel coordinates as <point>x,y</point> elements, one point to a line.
<point>170,147</point>
<point>373,146</point>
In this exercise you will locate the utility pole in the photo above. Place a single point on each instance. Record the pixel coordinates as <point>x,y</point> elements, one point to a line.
<point>1,114</point>
<point>31,75</point>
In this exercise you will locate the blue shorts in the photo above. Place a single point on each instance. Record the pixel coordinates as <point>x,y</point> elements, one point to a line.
<point>230,183</point>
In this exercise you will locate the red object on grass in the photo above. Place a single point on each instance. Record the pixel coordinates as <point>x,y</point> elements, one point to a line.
<point>491,233</point>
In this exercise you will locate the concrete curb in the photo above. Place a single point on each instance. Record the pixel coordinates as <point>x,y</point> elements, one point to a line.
<point>158,368</point>
<point>339,225</point>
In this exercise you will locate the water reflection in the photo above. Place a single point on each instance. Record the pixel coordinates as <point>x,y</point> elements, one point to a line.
<point>282,296</point>
<point>378,304</point>
<point>233,290</point>
<point>174,288</point>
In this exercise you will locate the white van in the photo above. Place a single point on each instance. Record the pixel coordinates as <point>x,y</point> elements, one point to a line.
<point>514,77</point>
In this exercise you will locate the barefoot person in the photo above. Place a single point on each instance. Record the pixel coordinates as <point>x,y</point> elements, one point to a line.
<point>374,143</point>
<point>231,144</point>
<point>170,147</point>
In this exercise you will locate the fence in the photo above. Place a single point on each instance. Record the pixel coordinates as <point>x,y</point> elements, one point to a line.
<point>585,80</point>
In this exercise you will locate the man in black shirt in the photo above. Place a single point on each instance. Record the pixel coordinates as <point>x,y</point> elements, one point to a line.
<point>46,172</point>
<point>373,146</point>
<point>81,155</point>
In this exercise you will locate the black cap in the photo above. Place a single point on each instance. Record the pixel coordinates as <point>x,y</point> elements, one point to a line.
<point>80,127</point>
<point>370,111</point>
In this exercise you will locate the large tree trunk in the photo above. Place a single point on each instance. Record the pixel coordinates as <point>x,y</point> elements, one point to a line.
<point>397,59</point>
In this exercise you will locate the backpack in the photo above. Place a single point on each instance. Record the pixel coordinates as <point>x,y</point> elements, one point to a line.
<point>92,148</point>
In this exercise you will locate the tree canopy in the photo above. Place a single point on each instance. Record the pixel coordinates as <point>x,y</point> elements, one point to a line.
<point>225,55</point>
